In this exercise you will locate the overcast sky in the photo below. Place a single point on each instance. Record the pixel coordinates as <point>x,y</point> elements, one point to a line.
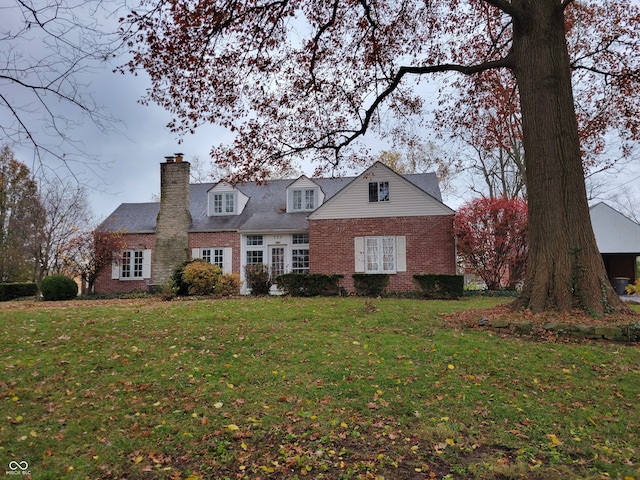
<point>131,153</point>
<point>130,158</point>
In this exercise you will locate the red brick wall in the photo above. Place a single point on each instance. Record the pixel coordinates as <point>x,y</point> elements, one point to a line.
<point>430,246</point>
<point>104,283</point>
<point>218,240</point>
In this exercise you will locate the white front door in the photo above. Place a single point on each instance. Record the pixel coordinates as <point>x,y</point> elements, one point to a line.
<point>276,260</point>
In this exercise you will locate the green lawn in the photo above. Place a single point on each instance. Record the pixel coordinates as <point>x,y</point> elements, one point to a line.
<point>334,388</point>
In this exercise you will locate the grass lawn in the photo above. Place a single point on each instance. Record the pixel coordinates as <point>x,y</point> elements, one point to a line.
<point>334,388</point>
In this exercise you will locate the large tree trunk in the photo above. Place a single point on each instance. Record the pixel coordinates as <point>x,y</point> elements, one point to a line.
<point>565,269</point>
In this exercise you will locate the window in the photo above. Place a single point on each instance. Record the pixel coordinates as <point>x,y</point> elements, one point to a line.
<point>255,257</point>
<point>300,254</point>
<point>378,191</point>
<point>254,240</point>
<point>131,264</point>
<point>214,256</point>
<point>220,256</point>
<point>380,254</point>
<point>300,260</point>
<point>303,200</point>
<point>223,203</point>
<point>300,238</point>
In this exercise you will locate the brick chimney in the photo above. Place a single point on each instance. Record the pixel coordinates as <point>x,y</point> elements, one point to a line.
<point>174,219</point>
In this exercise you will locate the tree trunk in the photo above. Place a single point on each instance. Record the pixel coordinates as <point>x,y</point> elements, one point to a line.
<point>565,269</point>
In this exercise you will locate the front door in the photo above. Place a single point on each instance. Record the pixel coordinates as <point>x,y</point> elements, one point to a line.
<point>276,262</point>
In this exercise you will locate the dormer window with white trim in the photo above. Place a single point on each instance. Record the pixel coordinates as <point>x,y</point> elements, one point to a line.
<point>222,203</point>
<point>303,199</point>
<point>304,195</point>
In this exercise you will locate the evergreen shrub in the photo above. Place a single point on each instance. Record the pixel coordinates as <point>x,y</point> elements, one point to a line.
<point>370,284</point>
<point>309,284</point>
<point>440,286</point>
<point>10,291</point>
<point>58,287</point>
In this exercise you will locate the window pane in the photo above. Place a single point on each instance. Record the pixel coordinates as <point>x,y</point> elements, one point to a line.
<point>217,202</point>
<point>300,261</point>
<point>205,254</point>
<point>300,238</point>
<point>309,197</point>
<point>380,255</point>
<point>228,197</point>
<point>218,257</point>
<point>254,239</point>
<point>372,254</point>
<point>137,264</point>
<point>254,257</point>
<point>373,191</point>
<point>125,271</point>
<point>388,254</point>
<point>277,261</point>
<point>383,192</point>
<point>297,200</point>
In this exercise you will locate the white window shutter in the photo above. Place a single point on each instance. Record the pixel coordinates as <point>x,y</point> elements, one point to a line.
<point>195,253</point>
<point>146,263</point>
<point>227,260</point>
<point>115,266</point>
<point>359,254</point>
<point>401,253</point>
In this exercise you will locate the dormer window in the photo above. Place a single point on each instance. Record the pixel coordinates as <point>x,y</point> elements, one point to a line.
<point>222,203</point>
<point>303,200</point>
<point>378,191</point>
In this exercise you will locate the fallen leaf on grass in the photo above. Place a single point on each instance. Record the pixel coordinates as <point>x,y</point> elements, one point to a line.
<point>554,440</point>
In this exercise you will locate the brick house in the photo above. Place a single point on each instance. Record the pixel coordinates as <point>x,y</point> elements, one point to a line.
<point>377,222</point>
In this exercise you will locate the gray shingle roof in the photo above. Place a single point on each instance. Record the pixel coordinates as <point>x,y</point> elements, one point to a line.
<point>265,210</point>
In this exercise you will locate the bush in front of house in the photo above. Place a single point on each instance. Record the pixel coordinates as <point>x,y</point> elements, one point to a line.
<point>11,291</point>
<point>370,284</point>
<point>198,277</point>
<point>180,287</point>
<point>201,277</point>
<point>258,279</point>
<point>58,287</point>
<point>309,284</point>
<point>440,286</point>
<point>228,285</point>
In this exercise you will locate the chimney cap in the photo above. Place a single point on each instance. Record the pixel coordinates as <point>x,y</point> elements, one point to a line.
<point>169,159</point>
<point>178,157</point>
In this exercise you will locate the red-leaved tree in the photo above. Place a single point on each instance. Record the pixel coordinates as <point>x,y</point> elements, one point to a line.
<point>88,253</point>
<point>492,240</point>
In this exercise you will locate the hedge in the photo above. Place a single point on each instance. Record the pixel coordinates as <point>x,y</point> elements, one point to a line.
<point>440,286</point>
<point>370,284</point>
<point>10,291</point>
<point>309,284</point>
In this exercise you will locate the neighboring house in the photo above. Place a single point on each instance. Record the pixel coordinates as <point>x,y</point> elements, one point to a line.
<point>618,239</point>
<point>377,222</point>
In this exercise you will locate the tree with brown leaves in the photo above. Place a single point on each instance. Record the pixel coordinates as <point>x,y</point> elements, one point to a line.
<point>310,78</point>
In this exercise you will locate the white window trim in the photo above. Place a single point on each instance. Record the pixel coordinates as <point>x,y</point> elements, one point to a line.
<point>224,198</point>
<point>400,252</point>
<point>380,197</point>
<point>303,199</point>
<point>116,265</point>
